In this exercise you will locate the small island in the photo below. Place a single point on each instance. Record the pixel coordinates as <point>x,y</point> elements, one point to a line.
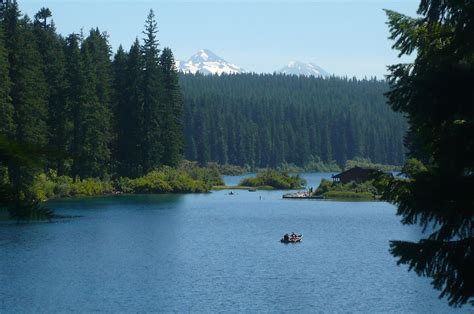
<point>273,179</point>
<point>356,184</point>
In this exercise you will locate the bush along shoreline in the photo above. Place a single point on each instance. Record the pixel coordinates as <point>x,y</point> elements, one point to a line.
<point>372,189</point>
<point>191,179</point>
<point>274,179</point>
<point>188,177</point>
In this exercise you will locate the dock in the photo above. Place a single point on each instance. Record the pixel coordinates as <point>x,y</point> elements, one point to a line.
<point>302,195</point>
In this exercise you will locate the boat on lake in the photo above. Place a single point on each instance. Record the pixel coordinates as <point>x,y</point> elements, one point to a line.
<point>294,238</point>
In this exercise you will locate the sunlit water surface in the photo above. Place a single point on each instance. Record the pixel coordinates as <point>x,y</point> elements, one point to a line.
<point>211,252</point>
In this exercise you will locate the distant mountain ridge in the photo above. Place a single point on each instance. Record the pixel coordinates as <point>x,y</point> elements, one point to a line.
<point>207,62</point>
<point>302,68</point>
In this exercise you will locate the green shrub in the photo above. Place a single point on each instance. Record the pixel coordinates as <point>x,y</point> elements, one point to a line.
<point>166,180</point>
<point>286,167</point>
<point>367,163</point>
<point>348,195</point>
<point>275,179</point>
<point>229,170</point>
<point>354,190</point>
<point>187,179</point>
<point>413,167</point>
<point>63,186</point>
<point>323,187</point>
<point>317,165</point>
<point>48,185</point>
<point>90,187</point>
<point>42,187</point>
<point>210,175</point>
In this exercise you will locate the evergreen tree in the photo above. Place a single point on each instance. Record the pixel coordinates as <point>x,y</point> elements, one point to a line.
<point>29,95</point>
<point>50,46</point>
<point>42,17</point>
<point>120,114</point>
<point>129,111</point>
<point>76,99</point>
<point>172,127</point>
<point>202,145</point>
<point>153,112</point>
<point>436,94</point>
<point>6,107</point>
<point>97,121</point>
<point>135,111</point>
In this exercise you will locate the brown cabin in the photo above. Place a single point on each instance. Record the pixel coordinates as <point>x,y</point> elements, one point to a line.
<point>357,174</point>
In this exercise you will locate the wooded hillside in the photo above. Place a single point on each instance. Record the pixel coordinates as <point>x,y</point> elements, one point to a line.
<point>264,120</point>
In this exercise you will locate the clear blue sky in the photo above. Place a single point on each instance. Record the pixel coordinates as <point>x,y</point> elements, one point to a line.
<point>343,37</point>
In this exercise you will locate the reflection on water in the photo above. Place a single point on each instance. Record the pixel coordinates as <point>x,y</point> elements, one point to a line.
<point>211,252</point>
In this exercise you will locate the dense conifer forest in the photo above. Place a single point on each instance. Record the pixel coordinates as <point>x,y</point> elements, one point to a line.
<point>264,120</point>
<point>97,113</point>
<point>71,108</point>
<point>82,111</point>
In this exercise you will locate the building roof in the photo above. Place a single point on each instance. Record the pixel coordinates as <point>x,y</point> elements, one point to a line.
<point>356,169</point>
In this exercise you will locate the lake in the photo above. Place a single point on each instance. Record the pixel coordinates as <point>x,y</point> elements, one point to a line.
<point>211,252</point>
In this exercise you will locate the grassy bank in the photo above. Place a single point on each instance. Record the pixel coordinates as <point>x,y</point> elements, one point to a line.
<point>349,195</point>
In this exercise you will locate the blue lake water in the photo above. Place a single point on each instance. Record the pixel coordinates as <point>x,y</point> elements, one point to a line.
<point>211,252</point>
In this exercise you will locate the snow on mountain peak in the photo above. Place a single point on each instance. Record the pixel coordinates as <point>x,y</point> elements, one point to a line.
<point>302,68</point>
<point>203,55</point>
<point>206,62</point>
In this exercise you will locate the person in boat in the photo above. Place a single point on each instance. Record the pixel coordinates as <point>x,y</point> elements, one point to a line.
<point>286,237</point>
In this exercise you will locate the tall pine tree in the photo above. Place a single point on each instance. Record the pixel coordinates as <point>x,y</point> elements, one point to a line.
<point>120,114</point>
<point>76,100</point>
<point>51,49</point>
<point>6,107</point>
<point>153,111</point>
<point>97,119</point>
<point>7,128</point>
<point>129,111</point>
<point>29,95</point>
<point>172,127</point>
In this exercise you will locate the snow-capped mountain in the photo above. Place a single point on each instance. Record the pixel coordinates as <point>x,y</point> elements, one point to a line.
<point>302,68</point>
<point>206,62</point>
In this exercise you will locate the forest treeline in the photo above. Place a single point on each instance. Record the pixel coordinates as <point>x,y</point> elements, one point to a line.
<point>85,112</point>
<point>265,120</point>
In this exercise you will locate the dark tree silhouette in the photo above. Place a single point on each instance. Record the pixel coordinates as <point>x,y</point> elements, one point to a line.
<point>437,95</point>
<point>43,15</point>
